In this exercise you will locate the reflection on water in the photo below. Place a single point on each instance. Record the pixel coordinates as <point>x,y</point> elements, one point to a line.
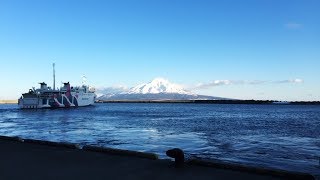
<point>285,137</point>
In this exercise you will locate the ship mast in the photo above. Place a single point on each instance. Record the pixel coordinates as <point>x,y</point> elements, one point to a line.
<point>54,77</point>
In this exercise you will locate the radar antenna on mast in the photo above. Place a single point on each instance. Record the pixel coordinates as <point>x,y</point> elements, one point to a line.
<point>84,79</point>
<point>54,76</point>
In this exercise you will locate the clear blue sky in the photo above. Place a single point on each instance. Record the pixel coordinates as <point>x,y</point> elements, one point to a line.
<point>190,42</point>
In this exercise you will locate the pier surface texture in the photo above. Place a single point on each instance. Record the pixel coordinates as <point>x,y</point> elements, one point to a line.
<point>31,160</point>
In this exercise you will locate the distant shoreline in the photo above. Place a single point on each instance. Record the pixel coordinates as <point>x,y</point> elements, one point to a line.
<point>8,101</point>
<point>215,102</point>
<point>198,102</point>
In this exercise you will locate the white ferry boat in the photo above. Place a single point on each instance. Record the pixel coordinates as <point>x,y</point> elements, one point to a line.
<point>66,96</point>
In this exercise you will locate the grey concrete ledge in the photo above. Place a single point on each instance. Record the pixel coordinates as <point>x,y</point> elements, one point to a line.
<point>14,138</point>
<point>263,171</point>
<point>50,143</point>
<point>121,152</point>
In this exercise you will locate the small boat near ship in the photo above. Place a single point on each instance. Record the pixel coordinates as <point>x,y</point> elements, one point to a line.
<point>65,97</point>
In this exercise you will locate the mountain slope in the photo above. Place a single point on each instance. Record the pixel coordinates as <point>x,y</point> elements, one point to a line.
<point>158,89</point>
<point>158,85</point>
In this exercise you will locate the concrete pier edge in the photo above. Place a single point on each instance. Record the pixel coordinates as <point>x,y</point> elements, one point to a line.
<point>250,169</point>
<point>153,156</point>
<point>13,138</point>
<point>51,143</point>
<point>120,152</point>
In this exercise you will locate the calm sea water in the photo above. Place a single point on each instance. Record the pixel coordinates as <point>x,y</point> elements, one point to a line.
<point>278,136</point>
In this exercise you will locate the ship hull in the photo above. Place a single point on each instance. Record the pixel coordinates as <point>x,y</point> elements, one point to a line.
<point>57,101</point>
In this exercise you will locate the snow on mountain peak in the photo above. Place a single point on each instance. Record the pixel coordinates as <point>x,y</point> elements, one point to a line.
<point>158,85</point>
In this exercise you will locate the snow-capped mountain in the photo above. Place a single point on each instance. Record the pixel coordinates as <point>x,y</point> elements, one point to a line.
<point>158,85</point>
<point>157,89</point>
